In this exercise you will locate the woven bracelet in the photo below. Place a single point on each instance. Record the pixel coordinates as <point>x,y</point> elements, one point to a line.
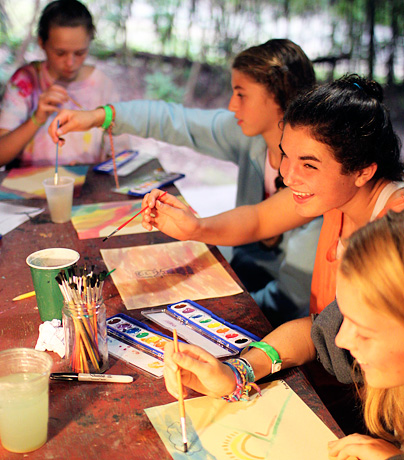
<point>243,373</point>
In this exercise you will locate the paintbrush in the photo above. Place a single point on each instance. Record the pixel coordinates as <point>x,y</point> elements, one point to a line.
<point>65,85</point>
<point>181,397</point>
<point>75,102</point>
<point>127,222</point>
<point>57,157</point>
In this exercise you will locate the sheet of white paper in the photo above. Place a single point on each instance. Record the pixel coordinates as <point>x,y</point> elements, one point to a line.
<point>11,216</point>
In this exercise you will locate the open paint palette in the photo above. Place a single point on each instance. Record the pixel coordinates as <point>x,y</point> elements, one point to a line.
<point>137,334</point>
<point>142,346</point>
<point>199,326</point>
<point>135,357</point>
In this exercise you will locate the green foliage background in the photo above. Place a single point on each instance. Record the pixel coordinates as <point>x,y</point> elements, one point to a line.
<point>352,44</point>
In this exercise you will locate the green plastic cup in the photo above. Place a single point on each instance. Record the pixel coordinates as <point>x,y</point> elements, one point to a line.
<point>45,265</point>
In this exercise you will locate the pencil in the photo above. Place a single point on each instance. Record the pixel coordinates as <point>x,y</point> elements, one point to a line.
<point>181,397</point>
<point>127,222</point>
<point>25,296</point>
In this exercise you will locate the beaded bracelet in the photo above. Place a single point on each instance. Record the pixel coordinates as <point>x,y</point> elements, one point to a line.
<point>35,121</point>
<point>245,377</point>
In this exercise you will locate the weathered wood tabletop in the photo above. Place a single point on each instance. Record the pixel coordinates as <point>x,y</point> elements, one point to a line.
<point>97,420</point>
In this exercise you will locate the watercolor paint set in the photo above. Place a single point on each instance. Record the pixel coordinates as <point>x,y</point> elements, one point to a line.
<point>121,159</point>
<point>147,182</point>
<point>135,357</point>
<point>137,334</point>
<point>199,326</point>
<point>143,347</point>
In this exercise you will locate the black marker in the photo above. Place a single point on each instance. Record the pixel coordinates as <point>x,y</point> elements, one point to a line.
<point>107,378</point>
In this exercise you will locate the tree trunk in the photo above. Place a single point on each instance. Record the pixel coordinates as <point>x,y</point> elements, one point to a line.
<point>371,9</point>
<point>393,44</point>
<point>191,83</point>
<point>20,58</point>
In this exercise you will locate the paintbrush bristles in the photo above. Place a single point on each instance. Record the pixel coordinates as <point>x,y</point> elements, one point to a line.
<point>80,285</point>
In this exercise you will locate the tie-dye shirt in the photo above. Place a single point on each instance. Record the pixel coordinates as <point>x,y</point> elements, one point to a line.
<point>21,100</point>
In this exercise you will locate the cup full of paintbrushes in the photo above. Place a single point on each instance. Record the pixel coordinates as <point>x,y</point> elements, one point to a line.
<point>84,319</point>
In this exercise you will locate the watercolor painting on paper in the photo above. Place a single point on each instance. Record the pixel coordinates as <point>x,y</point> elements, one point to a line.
<point>160,274</point>
<point>27,182</point>
<point>98,220</point>
<point>278,425</point>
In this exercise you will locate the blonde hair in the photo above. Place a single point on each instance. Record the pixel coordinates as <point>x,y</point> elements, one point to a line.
<point>374,263</point>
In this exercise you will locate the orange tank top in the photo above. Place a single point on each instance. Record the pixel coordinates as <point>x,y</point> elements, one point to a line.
<point>323,284</point>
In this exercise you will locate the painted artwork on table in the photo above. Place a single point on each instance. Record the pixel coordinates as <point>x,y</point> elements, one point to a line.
<point>161,274</point>
<point>277,425</point>
<point>27,182</point>
<point>98,220</point>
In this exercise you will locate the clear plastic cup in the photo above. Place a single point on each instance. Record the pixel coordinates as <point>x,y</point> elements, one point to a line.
<point>24,399</point>
<point>60,198</point>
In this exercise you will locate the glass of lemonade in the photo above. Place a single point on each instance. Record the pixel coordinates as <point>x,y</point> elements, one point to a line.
<point>24,398</point>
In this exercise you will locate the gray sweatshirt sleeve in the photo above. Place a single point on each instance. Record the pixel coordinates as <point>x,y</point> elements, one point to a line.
<point>336,361</point>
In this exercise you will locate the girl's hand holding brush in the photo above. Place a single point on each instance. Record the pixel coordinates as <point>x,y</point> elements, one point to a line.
<point>75,120</point>
<point>49,101</point>
<point>200,371</point>
<point>169,215</point>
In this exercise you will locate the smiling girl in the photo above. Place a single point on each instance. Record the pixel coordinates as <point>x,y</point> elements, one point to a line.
<point>367,326</point>
<point>265,78</point>
<point>340,159</point>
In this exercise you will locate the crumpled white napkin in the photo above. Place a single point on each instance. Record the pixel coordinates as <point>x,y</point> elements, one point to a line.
<point>51,337</point>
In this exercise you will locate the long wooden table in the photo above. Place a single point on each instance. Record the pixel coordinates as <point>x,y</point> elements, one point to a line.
<point>97,420</point>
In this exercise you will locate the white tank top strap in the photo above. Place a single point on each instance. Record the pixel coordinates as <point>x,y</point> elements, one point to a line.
<point>385,194</point>
<point>270,175</point>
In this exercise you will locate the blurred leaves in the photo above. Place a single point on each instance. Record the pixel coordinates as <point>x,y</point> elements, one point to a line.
<point>161,86</point>
<point>213,31</point>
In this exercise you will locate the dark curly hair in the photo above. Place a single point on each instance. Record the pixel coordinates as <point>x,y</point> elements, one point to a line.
<point>64,13</point>
<point>349,116</point>
<point>280,65</point>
